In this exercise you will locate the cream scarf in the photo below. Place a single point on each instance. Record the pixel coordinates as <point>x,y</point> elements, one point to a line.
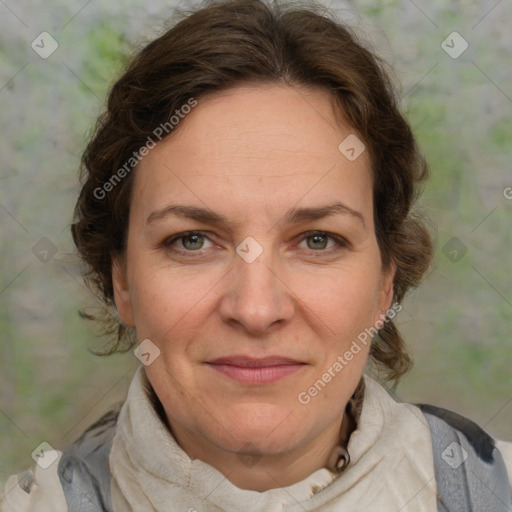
<point>391,466</point>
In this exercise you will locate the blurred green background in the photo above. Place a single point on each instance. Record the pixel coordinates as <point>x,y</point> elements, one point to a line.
<point>457,324</point>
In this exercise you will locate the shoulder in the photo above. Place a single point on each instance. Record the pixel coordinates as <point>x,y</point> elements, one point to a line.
<point>469,459</point>
<point>467,456</point>
<point>37,490</point>
<point>480,441</point>
<point>505,448</point>
<point>48,489</point>
<point>460,452</point>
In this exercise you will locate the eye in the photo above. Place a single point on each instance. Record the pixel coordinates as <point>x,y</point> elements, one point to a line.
<point>191,241</point>
<point>319,240</point>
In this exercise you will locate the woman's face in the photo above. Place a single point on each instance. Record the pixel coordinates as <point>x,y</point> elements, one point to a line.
<point>259,283</point>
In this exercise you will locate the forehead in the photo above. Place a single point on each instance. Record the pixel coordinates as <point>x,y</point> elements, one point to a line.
<point>261,146</point>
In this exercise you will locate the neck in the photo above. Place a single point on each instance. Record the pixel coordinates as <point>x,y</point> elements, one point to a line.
<point>251,470</point>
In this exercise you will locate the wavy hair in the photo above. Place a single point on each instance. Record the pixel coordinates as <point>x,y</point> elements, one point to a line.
<point>229,42</point>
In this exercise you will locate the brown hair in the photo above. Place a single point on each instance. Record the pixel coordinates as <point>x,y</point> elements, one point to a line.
<point>230,42</point>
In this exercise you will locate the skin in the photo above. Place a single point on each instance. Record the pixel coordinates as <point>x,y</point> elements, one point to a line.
<point>251,153</point>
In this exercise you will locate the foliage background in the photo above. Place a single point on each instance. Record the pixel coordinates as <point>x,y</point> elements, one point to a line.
<point>458,323</point>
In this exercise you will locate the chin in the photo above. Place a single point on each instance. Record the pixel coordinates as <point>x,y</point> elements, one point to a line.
<point>257,443</point>
<point>266,433</point>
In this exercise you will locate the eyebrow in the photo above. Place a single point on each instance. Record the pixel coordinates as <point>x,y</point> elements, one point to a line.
<point>293,216</point>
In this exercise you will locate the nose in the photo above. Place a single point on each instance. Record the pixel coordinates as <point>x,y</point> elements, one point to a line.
<point>256,297</point>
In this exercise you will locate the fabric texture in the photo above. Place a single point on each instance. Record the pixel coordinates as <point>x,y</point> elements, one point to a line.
<point>391,467</point>
<point>470,472</point>
<point>35,491</point>
<point>84,470</point>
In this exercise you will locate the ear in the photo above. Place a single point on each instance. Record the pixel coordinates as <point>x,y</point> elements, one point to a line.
<point>121,290</point>
<point>386,289</point>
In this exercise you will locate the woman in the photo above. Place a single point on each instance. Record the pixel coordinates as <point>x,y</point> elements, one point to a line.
<point>247,215</point>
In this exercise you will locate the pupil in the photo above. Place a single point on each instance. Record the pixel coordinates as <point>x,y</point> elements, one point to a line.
<point>194,238</point>
<point>317,237</point>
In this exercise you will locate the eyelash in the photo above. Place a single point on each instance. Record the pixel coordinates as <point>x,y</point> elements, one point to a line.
<point>340,241</point>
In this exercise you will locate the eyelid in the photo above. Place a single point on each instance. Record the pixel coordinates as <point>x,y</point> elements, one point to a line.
<point>178,236</point>
<point>340,241</point>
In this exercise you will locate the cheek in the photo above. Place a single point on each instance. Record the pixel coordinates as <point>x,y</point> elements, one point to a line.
<point>168,299</point>
<point>172,301</point>
<point>345,299</point>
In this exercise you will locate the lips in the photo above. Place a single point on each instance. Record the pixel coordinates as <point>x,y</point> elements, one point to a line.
<point>255,371</point>
<point>252,362</point>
